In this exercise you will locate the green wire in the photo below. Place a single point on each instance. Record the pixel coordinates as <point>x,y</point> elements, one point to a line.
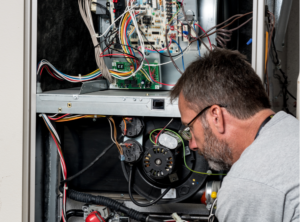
<point>210,174</point>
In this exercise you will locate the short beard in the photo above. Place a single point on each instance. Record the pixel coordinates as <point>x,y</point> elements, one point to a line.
<point>216,152</point>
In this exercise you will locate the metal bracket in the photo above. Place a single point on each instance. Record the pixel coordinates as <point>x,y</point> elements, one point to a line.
<point>93,86</point>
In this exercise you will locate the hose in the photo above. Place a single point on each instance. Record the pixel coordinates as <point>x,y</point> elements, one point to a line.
<point>110,203</point>
<point>137,203</point>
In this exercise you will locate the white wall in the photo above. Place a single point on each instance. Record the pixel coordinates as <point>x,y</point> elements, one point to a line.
<point>11,109</point>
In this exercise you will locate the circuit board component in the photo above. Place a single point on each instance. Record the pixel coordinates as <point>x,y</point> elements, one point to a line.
<point>142,79</point>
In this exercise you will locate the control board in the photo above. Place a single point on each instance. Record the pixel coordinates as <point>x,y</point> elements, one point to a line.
<point>153,17</point>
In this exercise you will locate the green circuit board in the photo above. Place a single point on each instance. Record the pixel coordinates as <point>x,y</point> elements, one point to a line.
<point>139,81</point>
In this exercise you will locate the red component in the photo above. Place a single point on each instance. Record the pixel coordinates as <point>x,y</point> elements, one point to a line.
<point>203,199</point>
<point>114,10</point>
<point>131,66</point>
<point>172,28</point>
<point>94,217</point>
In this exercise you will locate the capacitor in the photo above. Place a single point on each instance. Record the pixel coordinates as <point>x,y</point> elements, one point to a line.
<point>157,41</point>
<point>162,8</point>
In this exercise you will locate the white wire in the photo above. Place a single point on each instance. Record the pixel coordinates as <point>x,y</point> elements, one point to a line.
<point>140,38</point>
<point>211,215</point>
<point>121,16</point>
<point>54,115</point>
<point>51,126</point>
<point>161,64</point>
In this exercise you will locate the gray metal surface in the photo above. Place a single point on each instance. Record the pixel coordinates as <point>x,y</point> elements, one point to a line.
<point>108,102</point>
<point>282,23</point>
<point>179,208</point>
<point>93,86</point>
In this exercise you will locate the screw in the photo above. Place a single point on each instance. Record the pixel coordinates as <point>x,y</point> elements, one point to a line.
<point>124,99</point>
<point>69,105</point>
<point>141,99</point>
<point>134,99</point>
<point>59,110</point>
<point>158,162</point>
<point>107,21</point>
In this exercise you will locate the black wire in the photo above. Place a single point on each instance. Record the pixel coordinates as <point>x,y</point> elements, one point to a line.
<point>91,164</point>
<point>137,203</point>
<point>110,44</point>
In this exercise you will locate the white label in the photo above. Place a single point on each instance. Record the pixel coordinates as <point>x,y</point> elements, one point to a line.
<point>170,195</point>
<point>154,4</point>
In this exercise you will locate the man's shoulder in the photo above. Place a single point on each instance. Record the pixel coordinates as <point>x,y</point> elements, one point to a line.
<point>266,176</point>
<point>273,158</point>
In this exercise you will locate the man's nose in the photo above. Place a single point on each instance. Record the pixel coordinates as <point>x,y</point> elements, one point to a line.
<point>192,144</point>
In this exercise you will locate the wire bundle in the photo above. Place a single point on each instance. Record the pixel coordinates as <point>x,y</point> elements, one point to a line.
<point>51,70</point>
<point>85,11</point>
<point>56,139</point>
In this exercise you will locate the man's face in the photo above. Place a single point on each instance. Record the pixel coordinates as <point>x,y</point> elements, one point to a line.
<point>215,151</point>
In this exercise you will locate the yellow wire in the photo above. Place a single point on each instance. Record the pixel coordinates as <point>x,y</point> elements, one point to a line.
<point>145,74</point>
<point>174,16</point>
<point>65,119</point>
<point>123,37</point>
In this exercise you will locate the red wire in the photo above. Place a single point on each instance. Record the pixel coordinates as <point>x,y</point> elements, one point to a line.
<point>42,70</point>
<point>156,138</point>
<point>165,84</point>
<point>52,73</point>
<point>206,34</point>
<point>126,33</point>
<point>59,117</point>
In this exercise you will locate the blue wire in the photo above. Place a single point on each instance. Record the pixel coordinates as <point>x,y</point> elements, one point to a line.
<point>181,53</point>
<point>197,43</point>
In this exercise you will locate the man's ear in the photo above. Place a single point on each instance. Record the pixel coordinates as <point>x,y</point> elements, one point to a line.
<point>215,114</point>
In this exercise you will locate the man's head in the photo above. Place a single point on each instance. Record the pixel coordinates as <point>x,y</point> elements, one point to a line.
<point>220,78</point>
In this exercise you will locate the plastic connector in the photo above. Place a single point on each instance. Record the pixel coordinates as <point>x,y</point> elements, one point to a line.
<point>176,217</point>
<point>38,88</point>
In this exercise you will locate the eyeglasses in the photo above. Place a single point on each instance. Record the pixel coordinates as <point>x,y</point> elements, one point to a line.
<point>186,132</point>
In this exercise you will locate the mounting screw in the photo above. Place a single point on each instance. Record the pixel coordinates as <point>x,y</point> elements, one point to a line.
<point>134,99</point>
<point>59,110</point>
<point>141,99</point>
<point>124,99</point>
<point>69,105</point>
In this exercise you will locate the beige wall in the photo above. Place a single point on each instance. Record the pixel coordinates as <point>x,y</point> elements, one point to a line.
<point>11,109</point>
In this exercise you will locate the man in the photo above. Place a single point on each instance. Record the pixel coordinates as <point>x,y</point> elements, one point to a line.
<point>235,129</point>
